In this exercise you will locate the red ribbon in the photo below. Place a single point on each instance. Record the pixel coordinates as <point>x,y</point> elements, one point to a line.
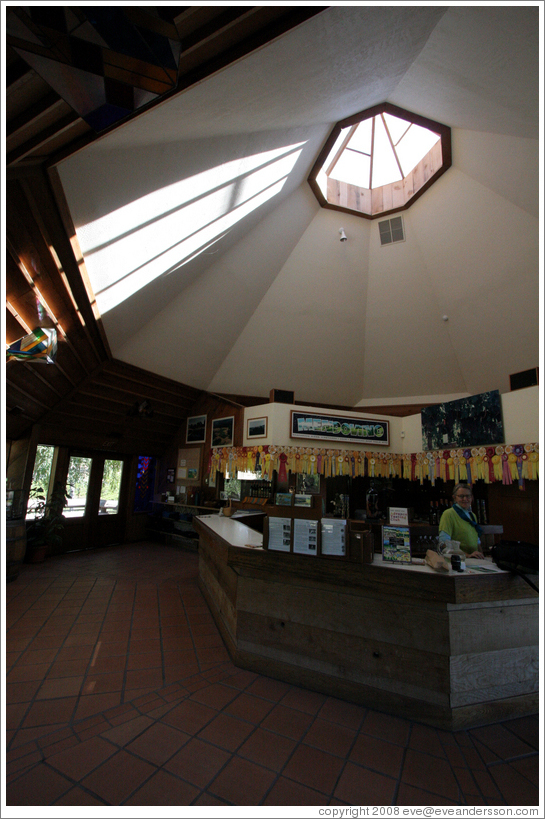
<point>490,453</point>
<point>507,479</point>
<point>282,476</point>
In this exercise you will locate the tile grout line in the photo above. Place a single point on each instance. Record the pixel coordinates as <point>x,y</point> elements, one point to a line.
<point>468,768</point>
<point>34,700</point>
<point>213,675</point>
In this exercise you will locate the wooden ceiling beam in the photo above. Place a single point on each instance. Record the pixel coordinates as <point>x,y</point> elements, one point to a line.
<point>34,112</point>
<point>102,440</point>
<point>14,329</point>
<point>219,25</point>
<point>129,372</point>
<point>98,392</point>
<point>40,140</point>
<point>143,390</point>
<point>31,399</point>
<point>30,251</point>
<point>63,236</point>
<point>16,68</point>
<point>109,415</point>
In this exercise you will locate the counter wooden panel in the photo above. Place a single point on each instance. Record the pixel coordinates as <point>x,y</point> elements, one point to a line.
<point>448,650</point>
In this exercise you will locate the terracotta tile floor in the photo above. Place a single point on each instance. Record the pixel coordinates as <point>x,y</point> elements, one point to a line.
<point>120,692</point>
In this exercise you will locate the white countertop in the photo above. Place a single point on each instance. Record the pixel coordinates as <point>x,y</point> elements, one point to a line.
<point>238,534</point>
<point>232,531</point>
<point>472,567</point>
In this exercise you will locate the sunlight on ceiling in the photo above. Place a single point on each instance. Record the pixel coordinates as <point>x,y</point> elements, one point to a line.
<point>160,232</point>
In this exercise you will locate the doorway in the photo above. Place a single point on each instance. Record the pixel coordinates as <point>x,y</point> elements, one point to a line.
<point>97,486</point>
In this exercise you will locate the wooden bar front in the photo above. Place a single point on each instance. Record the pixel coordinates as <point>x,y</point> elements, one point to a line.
<point>452,651</point>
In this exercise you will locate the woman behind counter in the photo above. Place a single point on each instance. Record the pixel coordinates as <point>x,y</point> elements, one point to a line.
<point>459,522</point>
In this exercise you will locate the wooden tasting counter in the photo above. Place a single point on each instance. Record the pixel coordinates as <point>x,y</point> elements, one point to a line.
<point>451,650</point>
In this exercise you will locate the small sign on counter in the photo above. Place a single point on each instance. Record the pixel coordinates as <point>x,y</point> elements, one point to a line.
<point>396,544</point>
<point>398,516</point>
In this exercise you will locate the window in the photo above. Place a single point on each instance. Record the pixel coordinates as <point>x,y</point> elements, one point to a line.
<point>111,487</point>
<point>379,161</point>
<point>145,483</point>
<point>41,477</point>
<point>79,471</point>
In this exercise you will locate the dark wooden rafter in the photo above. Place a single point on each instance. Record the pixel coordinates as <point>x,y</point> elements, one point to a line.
<point>16,69</point>
<point>39,141</point>
<point>135,374</point>
<point>30,250</point>
<point>71,258</point>
<point>104,411</point>
<point>14,328</point>
<point>223,21</point>
<point>51,212</point>
<point>44,106</point>
<point>123,393</point>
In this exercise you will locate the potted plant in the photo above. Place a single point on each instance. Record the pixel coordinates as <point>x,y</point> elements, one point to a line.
<point>45,530</point>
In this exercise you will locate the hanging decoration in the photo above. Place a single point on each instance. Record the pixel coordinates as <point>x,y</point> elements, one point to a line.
<point>39,345</point>
<point>505,464</point>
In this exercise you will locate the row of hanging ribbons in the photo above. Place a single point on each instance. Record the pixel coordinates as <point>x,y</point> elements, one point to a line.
<point>506,464</point>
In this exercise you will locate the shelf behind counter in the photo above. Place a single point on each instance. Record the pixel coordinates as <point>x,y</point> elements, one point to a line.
<point>451,650</point>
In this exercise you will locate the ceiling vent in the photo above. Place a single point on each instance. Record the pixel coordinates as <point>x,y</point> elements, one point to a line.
<point>391,230</point>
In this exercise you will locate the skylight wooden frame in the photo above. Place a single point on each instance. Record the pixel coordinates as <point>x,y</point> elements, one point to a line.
<point>387,199</point>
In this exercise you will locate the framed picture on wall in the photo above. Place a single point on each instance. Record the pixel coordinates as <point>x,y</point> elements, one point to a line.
<point>196,430</point>
<point>256,428</point>
<point>223,431</point>
<point>308,484</point>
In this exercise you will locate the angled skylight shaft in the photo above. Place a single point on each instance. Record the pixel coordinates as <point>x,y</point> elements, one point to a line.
<point>372,156</point>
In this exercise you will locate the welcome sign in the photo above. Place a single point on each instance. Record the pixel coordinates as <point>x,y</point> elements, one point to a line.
<point>339,428</point>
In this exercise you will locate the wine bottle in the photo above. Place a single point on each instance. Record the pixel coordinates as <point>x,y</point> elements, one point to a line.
<point>432,518</point>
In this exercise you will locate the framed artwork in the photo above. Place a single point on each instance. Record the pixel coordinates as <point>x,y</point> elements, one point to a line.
<point>339,428</point>
<point>196,430</point>
<point>256,428</point>
<point>233,489</point>
<point>284,499</point>
<point>223,431</point>
<point>466,422</point>
<point>308,484</point>
<point>303,500</point>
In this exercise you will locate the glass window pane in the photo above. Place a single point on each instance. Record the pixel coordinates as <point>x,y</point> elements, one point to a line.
<point>79,471</point>
<point>111,487</point>
<point>414,146</point>
<point>41,477</point>
<point>352,168</point>
<point>385,169</point>
<point>333,152</point>
<point>396,127</point>
<point>361,139</point>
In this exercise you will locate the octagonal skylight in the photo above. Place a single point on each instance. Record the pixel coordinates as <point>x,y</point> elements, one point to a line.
<point>379,161</point>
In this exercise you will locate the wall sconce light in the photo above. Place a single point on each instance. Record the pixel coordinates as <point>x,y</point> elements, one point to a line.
<point>344,237</point>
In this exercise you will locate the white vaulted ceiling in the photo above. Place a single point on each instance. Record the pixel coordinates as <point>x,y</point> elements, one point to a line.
<point>213,264</point>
